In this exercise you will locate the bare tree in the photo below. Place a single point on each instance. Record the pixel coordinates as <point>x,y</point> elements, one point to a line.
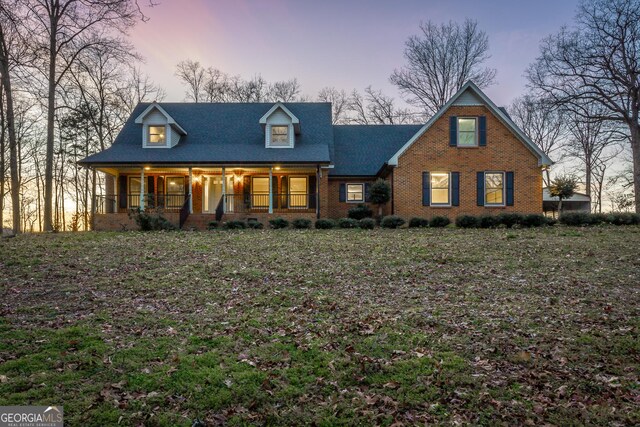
<point>544,124</point>
<point>597,63</point>
<point>374,107</point>
<point>63,29</point>
<point>284,91</point>
<point>193,76</point>
<point>339,103</point>
<point>137,88</point>
<point>440,61</point>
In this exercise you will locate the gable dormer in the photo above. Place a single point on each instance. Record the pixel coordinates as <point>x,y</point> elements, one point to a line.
<point>159,129</point>
<point>280,127</point>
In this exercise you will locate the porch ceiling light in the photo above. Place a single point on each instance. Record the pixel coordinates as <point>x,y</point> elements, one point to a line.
<point>147,168</point>
<point>277,168</point>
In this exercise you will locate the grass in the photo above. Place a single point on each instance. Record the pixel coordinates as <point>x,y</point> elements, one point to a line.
<point>336,327</point>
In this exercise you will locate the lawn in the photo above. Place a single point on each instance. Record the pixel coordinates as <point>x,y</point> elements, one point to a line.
<point>336,327</point>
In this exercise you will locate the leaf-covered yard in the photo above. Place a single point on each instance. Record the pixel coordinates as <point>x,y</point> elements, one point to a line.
<point>390,327</point>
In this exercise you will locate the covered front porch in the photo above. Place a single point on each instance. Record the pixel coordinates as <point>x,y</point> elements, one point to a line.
<point>220,193</point>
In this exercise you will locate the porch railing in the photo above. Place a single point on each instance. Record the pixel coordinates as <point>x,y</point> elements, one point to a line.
<point>259,202</point>
<point>106,204</point>
<point>110,203</point>
<point>184,210</point>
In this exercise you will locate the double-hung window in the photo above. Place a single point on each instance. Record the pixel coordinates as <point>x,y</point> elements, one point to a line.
<point>279,136</point>
<point>355,193</point>
<point>157,135</point>
<point>298,191</point>
<point>467,131</point>
<point>260,192</point>
<point>440,189</point>
<point>494,188</point>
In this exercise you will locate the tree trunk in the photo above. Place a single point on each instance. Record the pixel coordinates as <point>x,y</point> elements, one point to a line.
<point>635,152</point>
<point>559,206</point>
<point>51,105</point>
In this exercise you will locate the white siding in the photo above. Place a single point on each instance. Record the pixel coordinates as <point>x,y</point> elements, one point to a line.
<point>155,117</point>
<point>175,138</point>
<point>279,118</point>
<point>468,98</point>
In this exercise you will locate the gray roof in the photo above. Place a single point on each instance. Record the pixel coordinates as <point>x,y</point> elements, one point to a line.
<point>224,133</point>
<point>361,150</point>
<point>577,197</point>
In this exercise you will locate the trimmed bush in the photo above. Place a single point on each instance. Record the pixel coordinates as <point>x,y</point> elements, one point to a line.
<point>347,223</point>
<point>234,225</point>
<point>533,220</point>
<point>212,225</point>
<point>418,222</point>
<point>599,218</point>
<point>466,221</point>
<point>624,218</point>
<point>301,223</point>
<point>439,222</point>
<point>487,221</point>
<point>575,218</point>
<point>367,223</point>
<point>278,223</point>
<point>509,219</point>
<point>391,221</point>
<point>578,219</point>
<point>150,222</point>
<point>256,225</point>
<point>325,224</point>
<point>360,211</point>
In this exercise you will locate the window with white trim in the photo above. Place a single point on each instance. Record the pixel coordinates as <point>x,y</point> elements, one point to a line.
<point>260,192</point>
<point>467,131</point>
<point>494,188</point>
<point>440,188</point>
<point>279,136</point>
<point>157,135</point>
<point>355,192</point>
<point>298,191</point>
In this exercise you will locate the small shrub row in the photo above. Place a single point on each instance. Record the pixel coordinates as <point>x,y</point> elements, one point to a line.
<point>391,221</point>
<point>507,220</point>
<point>435,222</point>
<point>585,218</point>
<point>359,212</point>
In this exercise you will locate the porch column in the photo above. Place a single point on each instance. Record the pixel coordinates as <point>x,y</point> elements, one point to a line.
<point>224,192</point>
<point>271,190</point>
<point>142,188</point>
<point>318,176</point>
<point>190,190</point>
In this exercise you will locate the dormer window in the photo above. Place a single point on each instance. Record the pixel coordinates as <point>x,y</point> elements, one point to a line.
<point>157,135</point>
<point>280,136</point>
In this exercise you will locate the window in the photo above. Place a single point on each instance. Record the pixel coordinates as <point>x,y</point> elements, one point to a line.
<point>134,192</point>
<point>260,192</point>
<point>175,191</point>
<point>157,135</point>
<point>494,188</point>
<point>298,192</point>
<point>355,192</point>
<point>440,186</point>
<point>279,136</point>
<point>467,134</point>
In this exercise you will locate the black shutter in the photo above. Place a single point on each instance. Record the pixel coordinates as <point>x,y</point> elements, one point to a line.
<point>274,192</point>
<point>453,131</point>
<point>482,129</point>
<point>161,199</point>
<point>284,198</point>
<point>367,191</point>
<point>312,191</point>
<point>426,189</point>
<point>509,188</point>
<point>149,189</point>
<point>480,188</point>
<point>455,188</point>
<point>122,192</point>
<point>343,192</point>
<point>246,191</point>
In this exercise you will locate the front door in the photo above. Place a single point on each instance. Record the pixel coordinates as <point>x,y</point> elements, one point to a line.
<point>212,193</point>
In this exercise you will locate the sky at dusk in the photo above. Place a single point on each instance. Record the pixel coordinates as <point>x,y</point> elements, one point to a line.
<point>345,44</point>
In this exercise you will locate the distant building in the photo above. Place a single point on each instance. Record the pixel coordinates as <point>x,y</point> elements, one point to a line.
<point>579,202</point>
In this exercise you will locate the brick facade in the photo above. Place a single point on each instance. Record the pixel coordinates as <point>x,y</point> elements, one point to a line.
<point>432,153</point>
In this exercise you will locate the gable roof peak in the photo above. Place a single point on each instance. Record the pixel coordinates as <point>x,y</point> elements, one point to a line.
<point>156,106</point>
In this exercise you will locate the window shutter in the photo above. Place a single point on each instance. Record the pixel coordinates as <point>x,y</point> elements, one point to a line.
<point>246,191</point>
<point>480,187</point>
<point>455,188</point>
<point>312,191</point>
<point>149,189</point>
<point>284,190</point>
<point>161,184</point>
<point>426,190</point>
<point>186,185</point>
<point>482,129</point>
<point>122,192</point>
<point>343,192</point>
<point>274,191</point>
<point>453,131</point>
<point>509,188</point>
<point>367,191</point>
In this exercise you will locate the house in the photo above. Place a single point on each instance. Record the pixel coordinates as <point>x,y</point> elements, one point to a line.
<point>579,202</point>
<point>199,162</point>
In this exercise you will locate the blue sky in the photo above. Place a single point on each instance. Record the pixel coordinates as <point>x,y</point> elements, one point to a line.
<point>346,44</point>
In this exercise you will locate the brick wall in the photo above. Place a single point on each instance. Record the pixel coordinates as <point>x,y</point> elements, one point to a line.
<point>432,153</point>
<point>338,209</point>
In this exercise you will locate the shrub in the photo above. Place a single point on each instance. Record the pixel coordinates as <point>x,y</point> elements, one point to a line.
<point>418,222</point>
<point>360,211</point>
<point>439,221</point>
<point>301,223</point>
<point>150,222</point>
<point>278,223</point>
<point>509,219</point>
<point>347,223</point>
<point>325,224</point>
<point>212,225</point>
<point>533,220</point>
<point>575,218</point>
<point>234,225</point>
<point>256,225</point>
<point>599,218</point>
<point>624,218</point>
<point>487,221</point>
<point>391,221</point>
<point>466,221</point>
<point>380,194</point>
<point>367,223</point>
